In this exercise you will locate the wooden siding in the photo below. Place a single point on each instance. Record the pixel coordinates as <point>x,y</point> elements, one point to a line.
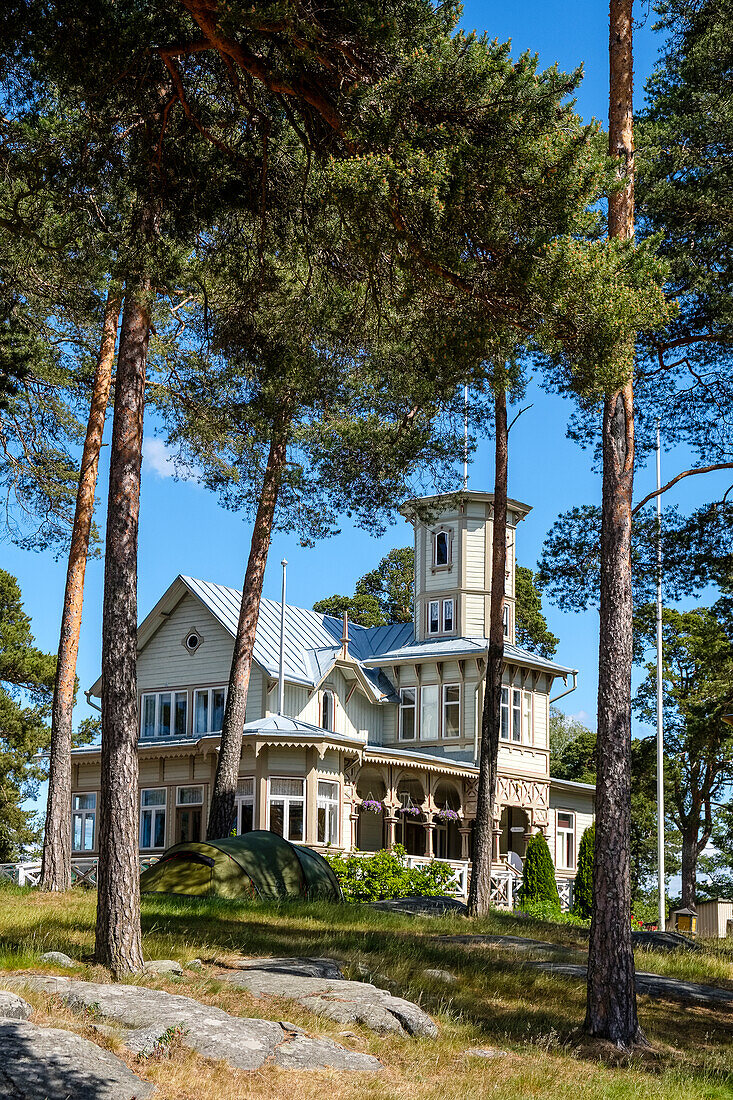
<point>579,803</point>
<point>165,662</point>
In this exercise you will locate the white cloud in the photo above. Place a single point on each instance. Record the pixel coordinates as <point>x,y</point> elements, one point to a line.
<point>158,460</point>
<point>583,717</point>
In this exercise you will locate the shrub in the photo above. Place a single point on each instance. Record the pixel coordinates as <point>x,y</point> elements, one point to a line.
<point>538,877</point>
<point>583,888</point>
<point>385,875</point>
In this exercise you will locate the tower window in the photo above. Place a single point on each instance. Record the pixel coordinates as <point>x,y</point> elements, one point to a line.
<point>327,710</point>
<point>441,548</point>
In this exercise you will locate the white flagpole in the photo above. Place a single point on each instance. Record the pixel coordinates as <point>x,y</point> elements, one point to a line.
<point>465,437</point>
<point>281,678</point>
<point>660,703</point>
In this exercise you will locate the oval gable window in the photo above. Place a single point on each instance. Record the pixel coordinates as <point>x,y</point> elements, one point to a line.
<point>193,641</point>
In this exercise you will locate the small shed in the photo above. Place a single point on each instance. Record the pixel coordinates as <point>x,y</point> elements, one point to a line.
<point>259,864</point>
<point>715,918</point>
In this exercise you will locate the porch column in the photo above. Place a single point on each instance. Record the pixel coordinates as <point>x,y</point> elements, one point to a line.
<point>354,820</point>
<point>496,839</point>
<point>311,796</point>
<point>429,836</point>
<point>391,822</point>
<point>261,772</point>
<point>465,833</point>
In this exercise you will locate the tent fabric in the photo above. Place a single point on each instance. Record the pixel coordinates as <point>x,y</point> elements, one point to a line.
<point>259,864</point>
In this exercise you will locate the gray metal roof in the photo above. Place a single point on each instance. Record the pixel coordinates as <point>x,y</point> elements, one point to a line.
<point>442,648</point>
<point>312,640</point>
<point>279,723</point>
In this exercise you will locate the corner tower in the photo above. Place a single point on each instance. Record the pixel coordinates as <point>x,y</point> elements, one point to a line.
<point>453,535</point>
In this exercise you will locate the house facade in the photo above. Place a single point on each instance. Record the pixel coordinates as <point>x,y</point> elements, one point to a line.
<point>378,740</point>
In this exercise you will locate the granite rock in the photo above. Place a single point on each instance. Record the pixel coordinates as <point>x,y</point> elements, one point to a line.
<point>57,958</point>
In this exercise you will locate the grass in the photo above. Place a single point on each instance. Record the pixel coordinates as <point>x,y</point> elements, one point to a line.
<point>496,1001</point>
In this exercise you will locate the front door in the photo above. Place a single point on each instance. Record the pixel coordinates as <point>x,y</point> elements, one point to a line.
<point>188,824</point>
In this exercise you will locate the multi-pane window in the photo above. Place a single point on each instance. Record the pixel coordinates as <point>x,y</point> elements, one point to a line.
<point>190,796</point>
<point>327,710</point>
<point>407,714</point>
<point>441,548</point>
<point>287,807</point>
<point>429,712</point>
<point>208,710</point>
<point>164,714</point>
<point>245,806</point>
<point>328,812</point>
<point>441,616</point>
<point>152,818</point>
<point>565,843</point>
<point>451,710</point>
<point>527,717</point>
<point>511,714</point>
<point>83,822</point>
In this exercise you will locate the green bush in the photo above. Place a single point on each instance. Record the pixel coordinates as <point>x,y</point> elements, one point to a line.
<point>384,875</point>
<point>538,876</point>
<point>583,888</point>
<point>548,911</point>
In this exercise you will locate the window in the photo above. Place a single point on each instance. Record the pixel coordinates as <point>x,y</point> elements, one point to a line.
<point>83,822</point>
<point>164,714</point>
<point>505,714</point>
<point>328,812</point>
<point>328,710</point>
<point>565,843</point>
<point>152,818</point>
<point>441,548</point>
<point>440,616</point>
<point>429,712</point>
<point>505,619</point>
<point>193,641</point>
<point>208,710</point>
<point>245,806</point>
<point>516,715</point>
<point>190,796</point>
<point>287,807</point>
<point>451,710</point>
<point>527,717</point>
<point>407,714</point>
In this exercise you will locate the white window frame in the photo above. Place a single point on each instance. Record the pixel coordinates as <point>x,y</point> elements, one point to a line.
<point>330,804</point>
<point>433,629</point>
<point>437,625</point>
<point>189,787</point>
<point>426,705</point>
<point>505,619</point>
<point>155,812</point>
<point>242,799</point>
<point>209,709</point>
<point>83,814</point>
<point>453,703</point>
<point>408,706</point>
<point>506,714</point>
<point>516,716</point>
<point>448,548</point>
<point>329,694</point>
<point>175,695</point>
<point>287,799</point>
<point>528,717</point>
<point>565,842</point>
<point>448,629</point>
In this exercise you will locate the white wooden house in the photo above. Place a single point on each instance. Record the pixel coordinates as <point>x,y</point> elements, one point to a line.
<point>379,738</point>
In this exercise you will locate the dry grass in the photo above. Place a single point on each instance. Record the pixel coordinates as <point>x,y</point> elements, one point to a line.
<point>496,1001</point>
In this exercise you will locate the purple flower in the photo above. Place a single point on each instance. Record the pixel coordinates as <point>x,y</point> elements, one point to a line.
<point>372,806</point>
<point>446,814</point>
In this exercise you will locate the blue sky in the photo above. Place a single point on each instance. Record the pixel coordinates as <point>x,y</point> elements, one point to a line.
<point>184,530</point>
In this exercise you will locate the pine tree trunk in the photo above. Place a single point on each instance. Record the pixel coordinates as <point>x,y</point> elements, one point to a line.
<point>56,864</point>
<point>479,898</point>
<point>221,812</point>
<point>689,865</point>
<point>118,936</point>
<point>611,1005</point>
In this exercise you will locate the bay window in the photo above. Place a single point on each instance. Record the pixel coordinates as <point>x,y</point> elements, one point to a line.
<point>328,812</point>
<point>164,714</point>
<point>451,710</point>
<point>152,818</point>
<point>286,808</point>
<point>407,714</point>
<point>83,822</point>
<point>208,710</point>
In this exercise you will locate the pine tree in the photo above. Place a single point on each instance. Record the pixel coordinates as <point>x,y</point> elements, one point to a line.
<point>583,887</point>
<point>538,875</point>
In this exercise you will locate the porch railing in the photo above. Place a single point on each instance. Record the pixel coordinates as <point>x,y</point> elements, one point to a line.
<point>83,871</point>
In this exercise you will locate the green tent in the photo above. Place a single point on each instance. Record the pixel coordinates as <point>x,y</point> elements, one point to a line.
<point>256,865</point>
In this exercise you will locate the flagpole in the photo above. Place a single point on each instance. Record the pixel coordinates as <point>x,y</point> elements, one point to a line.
<point>660,700</point>
<point>465,437</point>
<point>281,676</point>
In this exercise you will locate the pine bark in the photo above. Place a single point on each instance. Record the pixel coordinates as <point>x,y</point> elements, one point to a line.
<point>611,1003</point>
<point>221,811</point>
<point>479,898</point>
<point>56,862</point>
<point>118,935</point>
<point>689,867</point>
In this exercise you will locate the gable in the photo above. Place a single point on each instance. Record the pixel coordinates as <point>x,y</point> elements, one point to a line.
<point>164,661</point>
